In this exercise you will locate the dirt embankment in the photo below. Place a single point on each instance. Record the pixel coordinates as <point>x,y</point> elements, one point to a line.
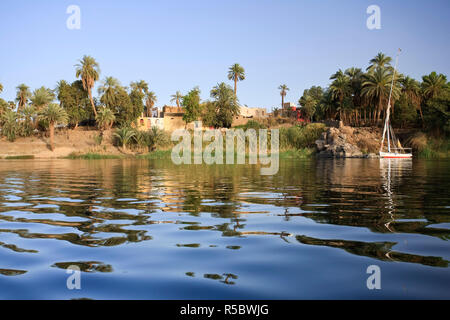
<point>348,142</point>
<point>81,140</point>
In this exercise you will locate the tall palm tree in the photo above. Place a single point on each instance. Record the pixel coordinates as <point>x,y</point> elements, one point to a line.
<point>150,100</point>
<point>337,74</point>
<point>41,98</point>
<point>236,73</point>
<point>433,84</point>
<point>140,85</point>
<point>54,115</point>
<point>22,96</point>
<point>411,89</point>
<point>176,97</point>
<point>339,88</point>
<point>380,60</point>
<point>376,87</point>
<point>108,90</point>
<point>89,71</point>
<point>1,88</point>
<point>283,91</point>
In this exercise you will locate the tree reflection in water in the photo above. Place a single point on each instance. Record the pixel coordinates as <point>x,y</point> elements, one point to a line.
<point>117,202</point>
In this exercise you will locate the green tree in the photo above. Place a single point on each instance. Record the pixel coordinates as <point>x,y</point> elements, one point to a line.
<point>28,115</point>
<point>226,104</point>
<point>433,84</point>
<point>9,125</point>
<point>150,100</point>
<point>236,73</point>
<point>340,89</point>
<point>176,98</point>
<point>124,136</point>
<point>379,61</point>
<point>108,91</point>
<point>53,114</point>
<point>22,96</point>
<point>4,106</point>
<point>191,104</point>
<point>283,91</point>
<point>140,85</point>
<point>41,98</point>
<point>74,100</point>
<point>136,98</point>
<point>376,86</point>
<point>310,100</point>
<point>411,90</point>
<point>105,119</point>
<point>89,71</point>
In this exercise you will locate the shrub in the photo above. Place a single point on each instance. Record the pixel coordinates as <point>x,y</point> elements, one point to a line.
<point>252,124</point>
<point>124,136</point>
<point>157,137</point>
<point>299,137</point>
<point>418,141</point>
<point>9,125</point>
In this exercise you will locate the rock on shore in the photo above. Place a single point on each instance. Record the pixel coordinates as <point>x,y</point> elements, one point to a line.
<point>348,142</point>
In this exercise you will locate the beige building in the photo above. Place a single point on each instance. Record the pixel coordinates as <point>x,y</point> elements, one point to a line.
<point>171,118</point>
<point>248,112</point>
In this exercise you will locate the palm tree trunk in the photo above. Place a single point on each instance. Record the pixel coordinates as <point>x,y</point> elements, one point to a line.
<point>92,102</point>
<point>52,134</point>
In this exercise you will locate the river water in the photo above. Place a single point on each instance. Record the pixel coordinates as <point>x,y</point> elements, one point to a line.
<point>140,229</point>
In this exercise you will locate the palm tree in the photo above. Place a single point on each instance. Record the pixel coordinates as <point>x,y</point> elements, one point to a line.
<point>176,97</point>
<point>89,72</point>
<point>41,98</point>
<point>108,90</point>
<point>124,136</point>
<point>283,91</point>
<point>339,88</point>
<point>9,125</point>
<point>140,85</point>
<point>54,115</point>
<point>355,76</point>
<point>411,89</point>
<point>376,86</point>
<point>337,74</point>
<point>150,100</point>
<point>433,84</point>
<point>1,88</point>
<point>105,118</point>
<point>22,96</point>
<point>236,73</point>
<point>380,60</point>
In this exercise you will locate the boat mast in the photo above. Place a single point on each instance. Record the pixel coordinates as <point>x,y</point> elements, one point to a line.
<point>386,121</point>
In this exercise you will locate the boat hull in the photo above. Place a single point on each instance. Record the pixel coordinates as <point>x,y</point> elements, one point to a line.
<point>395,155</point>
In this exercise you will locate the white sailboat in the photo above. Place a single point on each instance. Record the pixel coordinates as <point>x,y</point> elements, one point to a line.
<point>396,150</point>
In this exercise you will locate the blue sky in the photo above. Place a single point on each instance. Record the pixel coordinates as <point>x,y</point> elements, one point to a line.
<point>176,45</point>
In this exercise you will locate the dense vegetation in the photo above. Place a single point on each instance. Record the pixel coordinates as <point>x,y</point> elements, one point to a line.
<point>360,98</point>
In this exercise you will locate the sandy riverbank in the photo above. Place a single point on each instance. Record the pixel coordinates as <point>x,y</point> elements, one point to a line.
<point>68,142</point>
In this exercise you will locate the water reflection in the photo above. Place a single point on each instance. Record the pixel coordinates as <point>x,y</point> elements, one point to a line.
<point>393,211</point>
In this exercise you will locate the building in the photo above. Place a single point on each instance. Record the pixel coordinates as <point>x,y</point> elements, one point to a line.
<point>248,112</point>
<point>171,118</point>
